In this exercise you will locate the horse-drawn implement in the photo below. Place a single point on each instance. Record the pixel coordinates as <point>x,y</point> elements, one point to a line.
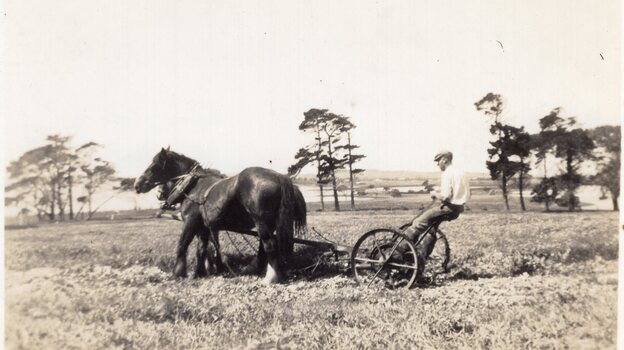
<point>373,260</point>
<point>258,202</point>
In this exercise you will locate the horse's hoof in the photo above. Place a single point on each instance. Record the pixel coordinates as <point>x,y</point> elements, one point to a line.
<point>271,276</point>
<point>179,272</point>
<point>268,281</point>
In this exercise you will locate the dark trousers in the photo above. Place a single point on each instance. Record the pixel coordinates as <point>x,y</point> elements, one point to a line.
<point>431,216</point>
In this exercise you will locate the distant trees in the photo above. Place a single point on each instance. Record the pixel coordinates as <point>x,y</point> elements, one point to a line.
<point>572,145</point>
<point>97,174</point>
<point>313,121</point>
<point>349,157</point>
<point>607,140</point>
<point>509,149</point>
<point>328,152</point>
<point>42,180</point>
<point>330,161</point>
<point>560,141</point>
<point>32,182</point>
<point>546,191</point>
<point>427,186</point>
<point>522,147</point>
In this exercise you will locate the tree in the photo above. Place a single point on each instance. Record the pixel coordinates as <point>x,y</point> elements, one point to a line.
<point>328,151</point>
<point>59,158</point>
<point>491,105</point>
<point>75,160</point>
<point>31,176</point>
<point>543,144</point>
<point>27,194</point>
<point>506,144</point>
<point>350,158</point>
<point>312,122</point>
<point>545,192</point>
<point>521,147</point>
<point>607,139</point>
<point>97,173</point>
<point>332,125</point>
<point>428,187</point>
<point>303,157</point>
<point>572,145</point>
<point>501,165</point>
<point>126,184</point>
<point>43,178</point>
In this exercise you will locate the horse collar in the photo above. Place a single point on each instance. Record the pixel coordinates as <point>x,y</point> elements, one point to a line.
<point>183,184</point>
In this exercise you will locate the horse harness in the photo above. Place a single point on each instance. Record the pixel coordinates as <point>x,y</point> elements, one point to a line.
<point>183,186</point>
<point>184,183</point>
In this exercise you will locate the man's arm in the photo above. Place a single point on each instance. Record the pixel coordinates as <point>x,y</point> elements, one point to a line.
<point>446,189</point>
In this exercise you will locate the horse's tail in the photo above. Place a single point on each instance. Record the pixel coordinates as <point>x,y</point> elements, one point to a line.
<point>288,217</point>
<point>300,212</point>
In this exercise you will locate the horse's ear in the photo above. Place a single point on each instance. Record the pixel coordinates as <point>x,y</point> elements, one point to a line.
<point>168,148</point>
<point>162,154</point>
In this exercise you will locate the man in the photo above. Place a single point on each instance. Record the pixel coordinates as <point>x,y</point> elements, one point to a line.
<point>454,193</point>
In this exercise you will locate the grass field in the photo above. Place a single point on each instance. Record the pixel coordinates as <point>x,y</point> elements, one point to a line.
<point>532,280</point>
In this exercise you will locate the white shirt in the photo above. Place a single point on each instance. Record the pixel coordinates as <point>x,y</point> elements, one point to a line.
<point>454,186</point>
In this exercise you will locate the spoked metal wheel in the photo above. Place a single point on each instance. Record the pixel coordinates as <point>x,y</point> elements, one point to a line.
<point>384,258</point>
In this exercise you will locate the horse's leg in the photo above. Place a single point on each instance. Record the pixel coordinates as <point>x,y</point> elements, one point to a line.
<point>202,255</point>
<point>269,243</point>
<point>258,262</point>
<point>188,232</point>
<point>216,261</point>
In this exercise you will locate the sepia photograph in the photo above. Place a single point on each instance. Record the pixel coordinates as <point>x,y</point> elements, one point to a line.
<point>311,174</point>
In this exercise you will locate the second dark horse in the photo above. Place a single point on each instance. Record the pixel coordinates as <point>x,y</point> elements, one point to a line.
<point>256,199</point>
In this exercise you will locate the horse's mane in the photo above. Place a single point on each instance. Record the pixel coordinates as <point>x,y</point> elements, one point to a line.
<point>212,172</point>
<point>201,170</point>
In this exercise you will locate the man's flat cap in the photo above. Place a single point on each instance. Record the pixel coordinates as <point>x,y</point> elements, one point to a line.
<point>445,154</point>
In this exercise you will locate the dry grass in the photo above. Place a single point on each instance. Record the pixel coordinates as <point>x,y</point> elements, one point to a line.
<point>517,281</point>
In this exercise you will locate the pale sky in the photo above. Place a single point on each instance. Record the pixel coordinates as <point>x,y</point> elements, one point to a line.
<point>226,83</point>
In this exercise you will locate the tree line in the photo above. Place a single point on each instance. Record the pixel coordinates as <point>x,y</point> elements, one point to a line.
<point>45,180</point>
<point>330,150</point>
<point>559,142</point>
<point>48,180</point>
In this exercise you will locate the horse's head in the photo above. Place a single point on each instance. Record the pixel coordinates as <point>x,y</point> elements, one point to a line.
<point>164,191</point>
<point>161,169</point>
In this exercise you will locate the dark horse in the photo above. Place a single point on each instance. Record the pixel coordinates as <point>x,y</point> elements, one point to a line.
<point>257,199</point>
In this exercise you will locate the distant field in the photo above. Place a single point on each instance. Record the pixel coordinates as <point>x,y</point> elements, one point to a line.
<point>533,280</point>
<point>481,201</point>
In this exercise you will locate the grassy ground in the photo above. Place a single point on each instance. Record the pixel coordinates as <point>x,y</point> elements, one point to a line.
<point>517,280</point>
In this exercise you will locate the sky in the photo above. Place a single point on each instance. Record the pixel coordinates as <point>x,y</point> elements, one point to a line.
<point>226,83</point>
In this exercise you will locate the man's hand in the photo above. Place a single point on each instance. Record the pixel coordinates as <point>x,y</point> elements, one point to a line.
<point>434,195</point>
